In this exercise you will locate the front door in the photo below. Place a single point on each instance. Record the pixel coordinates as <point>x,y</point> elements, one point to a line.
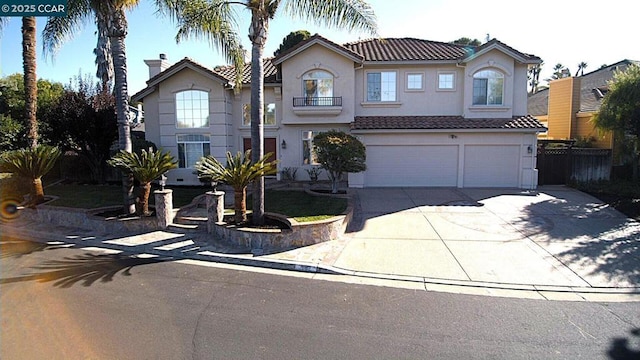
<point>269,146</point>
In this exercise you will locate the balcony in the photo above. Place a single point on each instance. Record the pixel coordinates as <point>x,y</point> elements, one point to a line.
<point>317,106</point>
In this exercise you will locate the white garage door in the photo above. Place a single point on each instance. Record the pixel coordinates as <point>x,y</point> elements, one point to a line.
<point>398,165</point>
<point>491,166</point>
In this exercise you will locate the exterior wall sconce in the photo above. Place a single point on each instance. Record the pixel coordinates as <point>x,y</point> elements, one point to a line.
<point>453,136</point>
<point>529,149</point>
<point>283,144</point>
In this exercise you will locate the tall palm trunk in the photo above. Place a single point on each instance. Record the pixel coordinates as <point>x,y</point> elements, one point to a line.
<point>258,36</point>
<point>38,191</point>
<point>104,62</point>
<point>240,204</point>
<point>30,79</point>
<point>117,25</point>
<point>144,202</point>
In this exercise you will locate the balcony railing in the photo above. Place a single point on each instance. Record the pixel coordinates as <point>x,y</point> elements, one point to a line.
<point>317,101</point>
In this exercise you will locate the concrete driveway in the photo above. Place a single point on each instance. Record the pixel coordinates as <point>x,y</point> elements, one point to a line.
<point>551,237</point>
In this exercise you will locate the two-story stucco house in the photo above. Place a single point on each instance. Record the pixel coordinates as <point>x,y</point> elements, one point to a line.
<point>429,113</point>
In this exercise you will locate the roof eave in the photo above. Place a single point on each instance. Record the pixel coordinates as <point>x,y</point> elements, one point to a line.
<point>516,55</point>
<point>318,41</point>
<point>445,130</point>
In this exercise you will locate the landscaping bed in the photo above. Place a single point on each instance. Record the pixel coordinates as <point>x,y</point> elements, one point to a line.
<point>624,196</point>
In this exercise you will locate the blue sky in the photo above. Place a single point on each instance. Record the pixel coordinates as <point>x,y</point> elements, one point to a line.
<point>568,32</point>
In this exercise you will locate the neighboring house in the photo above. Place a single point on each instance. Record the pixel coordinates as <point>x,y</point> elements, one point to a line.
<point>567,106</point>
<point>429,113</point>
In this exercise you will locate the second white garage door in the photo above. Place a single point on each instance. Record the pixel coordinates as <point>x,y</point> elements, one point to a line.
<point>400,165</point>
<point>491,165</point>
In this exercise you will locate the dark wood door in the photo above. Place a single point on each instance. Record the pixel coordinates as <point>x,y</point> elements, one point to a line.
<point>270,146</point>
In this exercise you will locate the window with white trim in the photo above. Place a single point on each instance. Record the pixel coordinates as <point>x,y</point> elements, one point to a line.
<point>308,154</point>
<point>488,87</point>
<point>446,81</point>
<point>269,114</point>
<point>191,147</point>
<point>381,86</point>
<point>192,109</point>
<point>414,81</point>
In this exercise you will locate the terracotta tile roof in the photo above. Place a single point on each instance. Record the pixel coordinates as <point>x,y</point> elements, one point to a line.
<point>183,62</point>
<point>228,72</point>
<point>407,49</point>
<point>318,38</point>
<point>526,122</point>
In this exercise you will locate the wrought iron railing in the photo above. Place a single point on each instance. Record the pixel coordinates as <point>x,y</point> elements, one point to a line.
<point>317,101</point>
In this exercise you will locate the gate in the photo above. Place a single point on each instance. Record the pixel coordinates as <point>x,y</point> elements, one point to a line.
<point>564,164</point>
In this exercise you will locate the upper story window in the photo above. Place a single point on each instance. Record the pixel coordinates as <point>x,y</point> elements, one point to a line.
<point>192,109</point>
<point>446,81</point>
<point>317,84</point>
<point>269,114</point>
<point>488,87</point>
<point>381,86</point>
<point>414,81</point>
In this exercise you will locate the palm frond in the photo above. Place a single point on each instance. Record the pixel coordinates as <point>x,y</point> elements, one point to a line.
<point>62,28</point>
<point>239,170</point>
<point>32,163</point>
<point>341,14</point>
<point>146,167</point>
<point>215,21</point>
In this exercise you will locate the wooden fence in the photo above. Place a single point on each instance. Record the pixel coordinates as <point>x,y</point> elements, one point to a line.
<point>568,164</point>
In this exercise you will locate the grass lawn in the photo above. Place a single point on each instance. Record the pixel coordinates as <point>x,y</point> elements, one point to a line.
<point>299,205</point>
<point>95,196</point>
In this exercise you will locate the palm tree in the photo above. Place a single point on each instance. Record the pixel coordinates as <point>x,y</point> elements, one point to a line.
<point>581,67</point>
<point>31,163</point>
<point>215,20</point>
<point>239,172</point>
<point>110,16</point>
<point>30,77</point>
<point>144,168</point>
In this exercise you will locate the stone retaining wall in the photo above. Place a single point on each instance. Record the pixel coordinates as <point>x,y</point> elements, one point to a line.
<point>85,219</point>
<point>299,234</point>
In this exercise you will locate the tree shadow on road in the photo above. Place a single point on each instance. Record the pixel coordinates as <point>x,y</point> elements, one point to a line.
<point>15,248</point>
<point>85,269</point>
<point>620,349</point>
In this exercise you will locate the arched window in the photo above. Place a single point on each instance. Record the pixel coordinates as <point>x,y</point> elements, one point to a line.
<point>317,84</point>
<point>192,109</point>
<point>488,87</point>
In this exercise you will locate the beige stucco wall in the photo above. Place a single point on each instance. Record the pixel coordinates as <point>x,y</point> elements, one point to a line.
<point>318,57</point>
<point>219,129</point>
<point>498,61</point>
<point>428,101</point>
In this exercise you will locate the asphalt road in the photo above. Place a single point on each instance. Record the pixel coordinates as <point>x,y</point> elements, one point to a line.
<point>59,303</point>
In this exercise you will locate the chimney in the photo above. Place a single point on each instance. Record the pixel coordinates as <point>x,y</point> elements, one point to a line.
<point>156,66</point>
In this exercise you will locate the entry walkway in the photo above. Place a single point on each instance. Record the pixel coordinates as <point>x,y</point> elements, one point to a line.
<point>552,243</point>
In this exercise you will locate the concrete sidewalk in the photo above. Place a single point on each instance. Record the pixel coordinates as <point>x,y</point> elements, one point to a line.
<point>553,243</point>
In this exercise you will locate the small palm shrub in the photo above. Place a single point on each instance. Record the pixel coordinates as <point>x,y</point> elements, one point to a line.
<point>32,164</point>
<point>238,173</point>
<point>145,168</point>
